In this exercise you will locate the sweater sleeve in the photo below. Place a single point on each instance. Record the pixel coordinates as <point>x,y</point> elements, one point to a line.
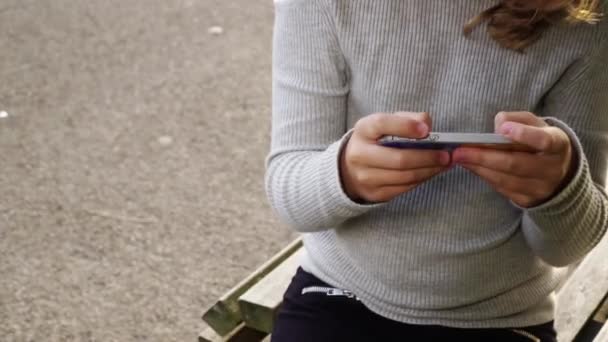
<point>308,120</point>
<point>564,229</point>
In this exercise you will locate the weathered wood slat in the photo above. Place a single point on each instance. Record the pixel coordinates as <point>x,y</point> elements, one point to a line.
<point>260,304</point>
<point>601,315</point>
<point>209,335</point>
<point>240,334</point>
<point>583,292</point>
<point>224,315</point>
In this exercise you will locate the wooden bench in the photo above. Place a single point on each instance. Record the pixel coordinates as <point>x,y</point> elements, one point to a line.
<point>246,313</point>
<point>583,300</point>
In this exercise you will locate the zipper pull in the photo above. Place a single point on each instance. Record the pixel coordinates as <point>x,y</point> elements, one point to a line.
<point>339,292</point>
<point>335,292</point>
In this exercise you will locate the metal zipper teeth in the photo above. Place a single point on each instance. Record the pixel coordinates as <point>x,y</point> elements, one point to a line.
<point>329,291</point>
<point>316,289</point>
<point>526,334</point>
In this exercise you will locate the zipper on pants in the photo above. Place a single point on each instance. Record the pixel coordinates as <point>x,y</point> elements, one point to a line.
<point>526,334</point>
<point>329,291</point>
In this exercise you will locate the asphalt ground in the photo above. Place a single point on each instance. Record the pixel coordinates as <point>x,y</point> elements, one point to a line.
<point>132,158</point>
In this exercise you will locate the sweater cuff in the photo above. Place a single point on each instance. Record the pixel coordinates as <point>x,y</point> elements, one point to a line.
<point>577,186</point>
<point>332,196</point>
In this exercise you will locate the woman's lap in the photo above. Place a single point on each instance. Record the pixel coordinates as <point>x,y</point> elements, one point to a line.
<point>312,311</point>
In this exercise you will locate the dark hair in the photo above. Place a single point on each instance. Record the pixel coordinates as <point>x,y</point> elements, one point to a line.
<point>516,24</point>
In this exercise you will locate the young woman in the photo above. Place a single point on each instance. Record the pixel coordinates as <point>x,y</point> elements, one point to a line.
<point>420,245</point>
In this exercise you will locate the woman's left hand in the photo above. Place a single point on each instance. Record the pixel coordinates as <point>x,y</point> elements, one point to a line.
<point>526,178</point>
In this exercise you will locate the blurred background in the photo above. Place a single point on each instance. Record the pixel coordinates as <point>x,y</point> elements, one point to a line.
<point>132,144</point>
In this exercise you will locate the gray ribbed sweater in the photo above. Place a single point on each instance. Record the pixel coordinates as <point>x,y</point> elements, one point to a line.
<point>453,251</point>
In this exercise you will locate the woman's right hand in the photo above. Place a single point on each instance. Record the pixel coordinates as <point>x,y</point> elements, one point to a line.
<point>374,173</point>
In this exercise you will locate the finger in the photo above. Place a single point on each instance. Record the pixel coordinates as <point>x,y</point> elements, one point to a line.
<point>544,139</point>
<point>512,185</point>
<point>385,193</point>
<point>406,125</point>
<point>526,118</point>
<point>380,178</point>
<point>505,192</point>
<point>525,201</point>
<point>376,156</point>
<point>521,164</point>
<point>422,116</point>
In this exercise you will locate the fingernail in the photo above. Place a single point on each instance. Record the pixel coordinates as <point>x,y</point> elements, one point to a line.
<point>422,129</point>
<point>457,158</point>
<point>506,128</point>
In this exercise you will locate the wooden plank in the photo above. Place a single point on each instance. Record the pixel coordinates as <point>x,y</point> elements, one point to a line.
<point>209,335</point>
<point>593,326</point>
<point>260,304</point>
<point>582,294</point>
<point>224,315</point>
<point>241,333</point>
<point>601,315</point>
<point>602,336</point>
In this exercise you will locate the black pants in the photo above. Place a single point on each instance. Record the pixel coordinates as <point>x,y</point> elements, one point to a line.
<point>315,311</point>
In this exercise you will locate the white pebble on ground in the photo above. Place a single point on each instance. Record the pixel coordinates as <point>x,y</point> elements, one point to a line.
<point>215,30</point>
<point>165,140</point>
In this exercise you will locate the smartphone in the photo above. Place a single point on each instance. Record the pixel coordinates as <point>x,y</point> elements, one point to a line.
<point>450,141</point>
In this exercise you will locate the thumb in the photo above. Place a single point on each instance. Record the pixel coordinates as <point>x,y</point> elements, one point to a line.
<point>423,117</point>
<point>525,118</point>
